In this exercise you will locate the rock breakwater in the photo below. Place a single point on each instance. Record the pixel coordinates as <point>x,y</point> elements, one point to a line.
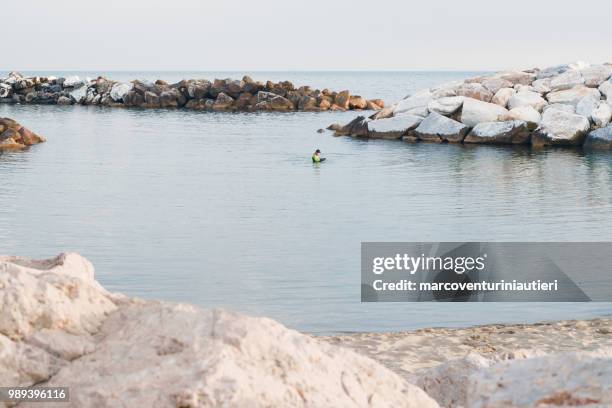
<point>243,94</point>
<point>14,136</point>
<point>565,105</point>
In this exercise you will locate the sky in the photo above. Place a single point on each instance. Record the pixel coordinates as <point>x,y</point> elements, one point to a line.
<point>199,35</point>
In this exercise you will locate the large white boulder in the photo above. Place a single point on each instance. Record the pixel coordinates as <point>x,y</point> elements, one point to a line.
<point>572,96</point>
<point>502,96</point>
<point>517,77</point>
<point>475,112</point>
<point>527,98</point>
<point>606,89</point>
<point>119,90</point>
<point>511,132</point>
<point>474,90</point>
<point>586,106</point>
<point>552,71</point>
<point>560,128</point>
<point>525,113</point>
<point>542,86</point>
<point>60,293</point>
<point>438,128</point>
<point>72,81</point>
<point>393,128</point>
<point>446,106</point>
<point>602,115</point>
<point>494,84</point>
<point>577,379</point>
<point>596,75</point>
<point>415,104</point>
<point>561,106</point>
<point>567,80</point>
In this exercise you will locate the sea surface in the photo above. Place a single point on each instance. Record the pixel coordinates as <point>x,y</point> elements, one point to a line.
<point>226,209</point>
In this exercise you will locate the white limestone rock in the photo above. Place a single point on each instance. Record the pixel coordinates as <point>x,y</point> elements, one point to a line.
<point>475,112</point>
<point>474,90</point>
<point>525,113</point>
<point>415,103</point>
<point>527,98</point>
<point>586,106</point>
<point>446,106</point>
<point>176,355</point>
<point>502,96</point>
<point>119,90</point>
<point>561,106</point>
<point>393,128</point>
<point>438,128</point>
<point>606,89</point>
<point>602,115</point>
<point>59,293</point>
<point>552,71</point>
<point>494,84</point>
<point>517,77</point>
<point>572,96</point>
<point>72,81</point>
<point>542,86</point>
<point>596,75</point>
<point>567,80</point>
<point>448,383</point>
<point>560,128</point>
<point>577,379</point>
<point>511,132</point>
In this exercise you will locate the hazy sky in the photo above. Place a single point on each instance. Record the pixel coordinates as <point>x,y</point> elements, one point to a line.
<point>304,35</point>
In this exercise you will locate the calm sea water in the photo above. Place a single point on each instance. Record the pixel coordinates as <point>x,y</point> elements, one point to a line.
<point>226,210</point>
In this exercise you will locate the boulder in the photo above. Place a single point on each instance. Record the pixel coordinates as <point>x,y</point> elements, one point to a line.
<point>119,90</point>
<point>475,112</point>
<point>378,102</point>
<point>279,103</point>
<point>72,81</point>
<point>596,75</point>
<point>517,77</point>
<point>512,132</point>
<point>561,106</point>
<point>133,98</point>
<point>560,128</point>
<point>198,89</point>
<point>602,115</point>
<point>438,128</point>
<point>393,128</point>
<point>572,96</point>
<point>448,382</point>
<point>445,106</point>
<point>223,102</point>
<point>542,86</point>
<point>475,91</point>
<point>600,139</point>
<point>527,98</point>
<point>416,103</point>
<point>586,106</point>
<point>343,99</point>
<point>151,100</point>
<point>383,113</point>
<point>552,71</point>
<point>606,89</point>
<point>170,99</point>
<point>357,127</point>
<point>357,102</point>
<point>64,100</point>
<point>567,80</point>
<point>502,96</point>
<point>525,113</point>
<point>494,84</point>
<point>14,136</point>
<point>576,379</point>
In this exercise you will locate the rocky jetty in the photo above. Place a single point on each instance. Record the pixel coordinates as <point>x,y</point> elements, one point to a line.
<point>565,105</point>
<point>59,327</point>
<point>197,94</point>
<point>13,136</point>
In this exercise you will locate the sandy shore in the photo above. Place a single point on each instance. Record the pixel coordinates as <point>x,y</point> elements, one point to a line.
<point>409,353</point>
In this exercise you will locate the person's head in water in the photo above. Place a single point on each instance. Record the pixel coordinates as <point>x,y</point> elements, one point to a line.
<point>318,152</point>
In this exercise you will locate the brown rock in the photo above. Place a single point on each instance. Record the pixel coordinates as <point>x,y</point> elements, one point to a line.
<point>342,100</point>
<point>223,102</point>
<point>281,103</point>
<point>324,104</point>
<point>29,138</point>
<point>357,102</point>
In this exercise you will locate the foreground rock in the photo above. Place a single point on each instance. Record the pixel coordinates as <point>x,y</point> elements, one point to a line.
<point>198,94</point>
<point>13,136</point>
<point>437,128</point>
<point>484,366</point>
<point>600,139</point>
<point>59,327</point>
<point>560,105</point>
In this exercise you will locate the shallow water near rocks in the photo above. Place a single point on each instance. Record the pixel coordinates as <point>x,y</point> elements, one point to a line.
<point>227,210</point>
